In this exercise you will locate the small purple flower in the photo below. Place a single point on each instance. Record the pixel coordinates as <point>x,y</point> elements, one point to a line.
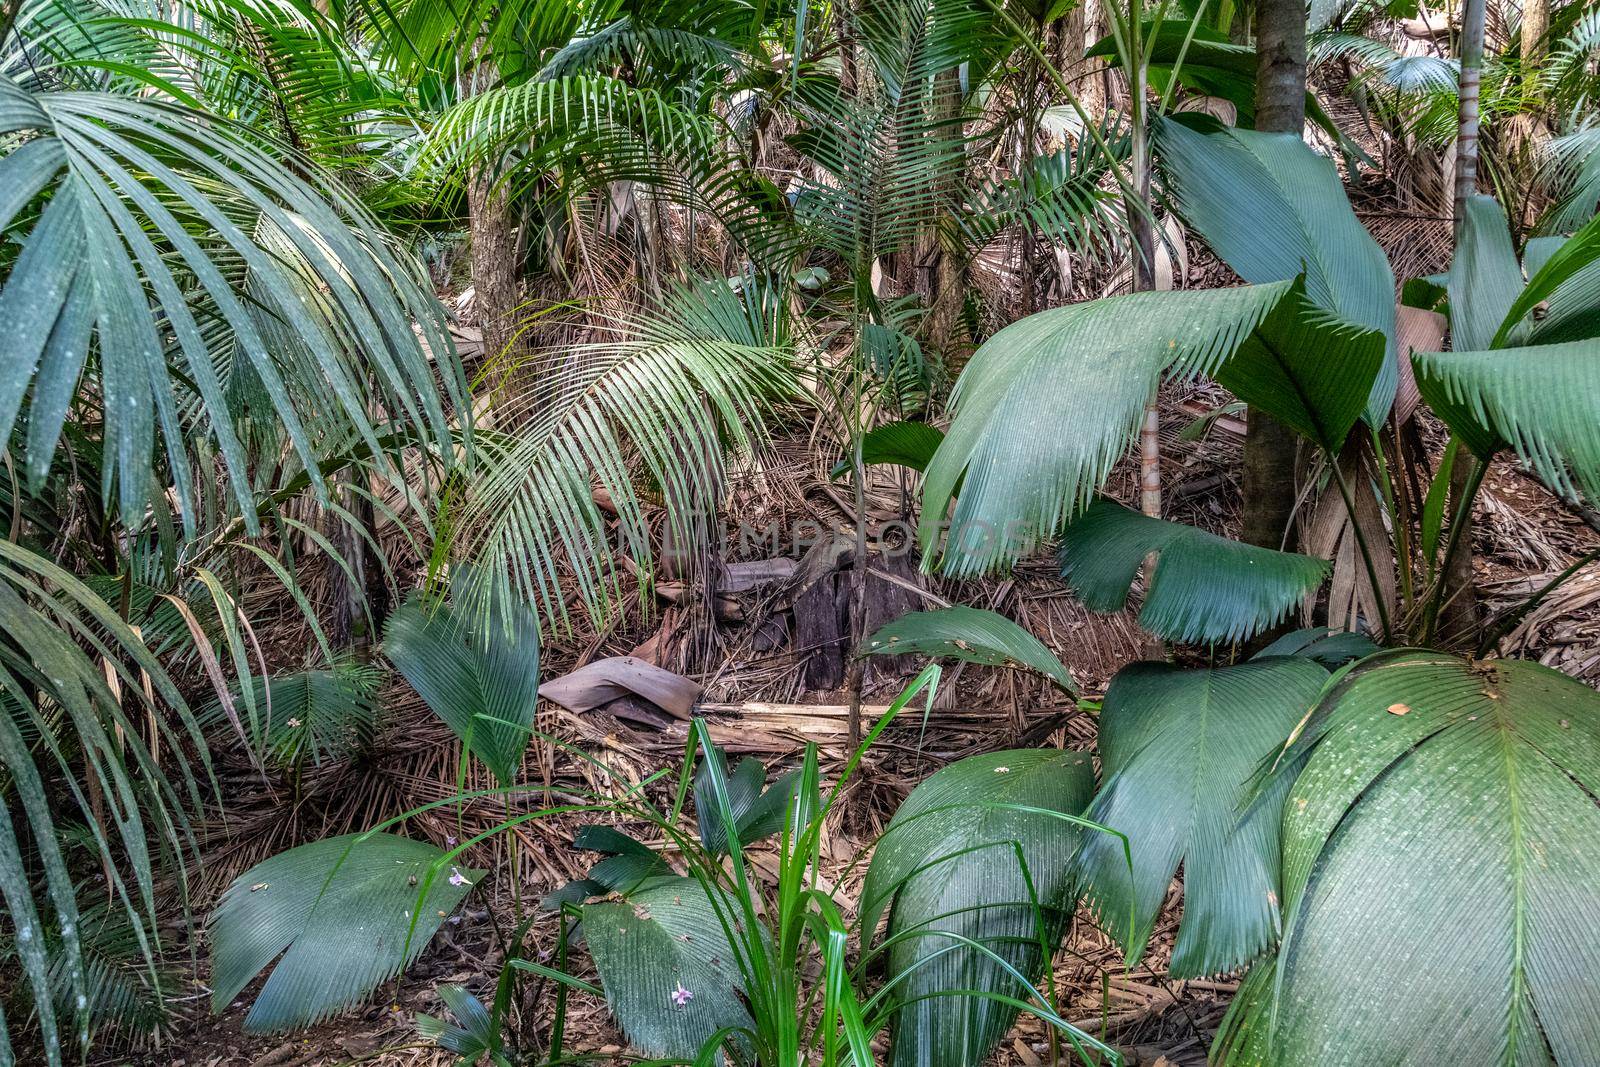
<point>457,878</point>
<point>450,842</point>
<point>680,997</point>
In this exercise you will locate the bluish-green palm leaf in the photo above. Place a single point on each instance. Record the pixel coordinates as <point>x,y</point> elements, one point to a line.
<point>980,850</point>
<point>134,248</point>
<point>667,936</point>
<point>1047,406</point>
<point>1543,401</point>
<point>1178,751</point>
<point>972,635</point>
<point>1444,824</point>
<point>476,664</point>
<point>1205,588</point>
<point>351,911</point>
<point>1273,209</point>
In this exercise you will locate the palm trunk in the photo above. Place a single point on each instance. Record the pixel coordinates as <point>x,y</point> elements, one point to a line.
<point>1268,483</point>
<point>496,258</point>
<point>1460,613</point>
<point>1535,24</point>
<point>1141,226</point>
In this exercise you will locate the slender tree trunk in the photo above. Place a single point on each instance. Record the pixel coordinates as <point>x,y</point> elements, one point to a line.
<point>496,265</point>
<point>1269,446</point>
<point>940,274</point>
<point>495,247</point>
<point>1535,24</point>
<point>1460,614</point>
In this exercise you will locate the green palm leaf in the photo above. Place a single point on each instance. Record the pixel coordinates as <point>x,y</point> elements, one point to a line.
<point>57,713</point>
<point>152,211</point>
<point>667,937</point>
<point>1205,588</point>
<point>908,444</point>
<point>1046,406</point>
<point>352,911</point>
<point>979,852</point>
<point>1445,824</point>
<point>1273,209</point>
<point>970,634</point>
<point>668,398</point>
<point>1568,284</point>
<point>1178,749</point>
<point>1485,278</point>
<point>1312,372</point>
<point>479,673</point>
<point>1543,401</point>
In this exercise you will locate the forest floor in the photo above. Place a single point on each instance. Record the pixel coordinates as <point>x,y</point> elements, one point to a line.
<point>745,653</point>
<point>770,685</point>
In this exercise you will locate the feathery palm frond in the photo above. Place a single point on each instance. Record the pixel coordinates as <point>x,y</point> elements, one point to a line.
<point>593,130</point>
<point>59,710</point>
<point>138,187</point>
<point>663,397</point>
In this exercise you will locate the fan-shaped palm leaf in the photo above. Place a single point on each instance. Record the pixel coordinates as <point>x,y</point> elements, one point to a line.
<point>970,634</point>
<point>1485,278</point>
<point>1568,285</point>
<point>479,672</point>
<point>1273,209</point>
<point>1205,588</point>
<point>1047,405</point>
<point>669,972</point>
<point>1543,401</point>
<point>352,911</point>
<point>1444,824</point>
<point>978,855</point>
<point>1178,749</point>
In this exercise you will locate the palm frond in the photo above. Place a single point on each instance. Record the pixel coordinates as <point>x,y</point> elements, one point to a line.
<point>976,861</point>
<point>666,397</point>
<point>1444,824</point>
<point>1178,750</point>
<point>1048,404</point>
<point>137,187</point>
<point>972,635</point>
<point>1205,588</point>
<point>1273,210</point>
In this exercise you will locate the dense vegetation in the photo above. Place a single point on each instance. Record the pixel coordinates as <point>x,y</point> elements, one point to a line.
<point>356,347</point>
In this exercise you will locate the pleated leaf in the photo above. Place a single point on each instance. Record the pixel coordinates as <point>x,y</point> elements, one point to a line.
<point>1329,647</point>
<point>906,444</point>
<point>1047,405</point>
<point>1543,401</point>
<point>479,673</point>
<point>1567,283</point>
<point>351,913</point>
<point>1178,750</point>
<point>952,864</point>
<point>1485,278</point>
<point>970,634</point>
<point>1311,371</point>
<point>758,808</point>
<point>1274,209</point>
<point>665,938</point>
<point>1441,858</point>
<point>1205,588</point>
